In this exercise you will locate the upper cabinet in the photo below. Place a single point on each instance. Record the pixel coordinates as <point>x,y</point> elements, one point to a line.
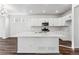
<point>68,17</point>
<point>56,22</point>
<point>53,21</point>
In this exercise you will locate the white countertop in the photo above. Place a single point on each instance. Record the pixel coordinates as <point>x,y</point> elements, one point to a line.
<point>33,34</point>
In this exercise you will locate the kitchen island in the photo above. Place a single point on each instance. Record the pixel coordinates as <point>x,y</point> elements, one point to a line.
<point>38,43</point>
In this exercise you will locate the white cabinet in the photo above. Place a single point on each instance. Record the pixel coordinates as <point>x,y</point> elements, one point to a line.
<point>37,22</point>
<point>4,26</point>
<point>57,22</point>
<point>38,45</point>
<point>67,17</point>
<point>52,21</point>
<point>61,22</point>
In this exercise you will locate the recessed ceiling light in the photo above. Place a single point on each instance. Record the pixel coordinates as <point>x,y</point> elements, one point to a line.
<point>44,11</point>
<point>57,11</point>
<point>31,11</point>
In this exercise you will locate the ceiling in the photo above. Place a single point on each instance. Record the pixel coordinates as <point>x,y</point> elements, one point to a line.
<point>38,8</point>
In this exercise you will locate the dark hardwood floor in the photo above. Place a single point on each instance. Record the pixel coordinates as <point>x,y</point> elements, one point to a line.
<point>9,47</point>
<point>65,47</point>
<point>65,43</point>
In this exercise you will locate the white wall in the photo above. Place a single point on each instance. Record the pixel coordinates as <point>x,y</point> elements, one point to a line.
<point>1,26</point>
<point>4,26</point>
<point>76,27</point>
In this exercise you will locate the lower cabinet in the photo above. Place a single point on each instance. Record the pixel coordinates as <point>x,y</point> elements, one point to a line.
<point>38,45</point>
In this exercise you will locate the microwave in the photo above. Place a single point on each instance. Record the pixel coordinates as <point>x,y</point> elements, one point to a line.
<point>45,24</point>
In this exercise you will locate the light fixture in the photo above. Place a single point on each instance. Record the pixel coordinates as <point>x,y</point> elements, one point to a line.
<point>57,11</point>
<point>44,11</point>
<point>31,11</point>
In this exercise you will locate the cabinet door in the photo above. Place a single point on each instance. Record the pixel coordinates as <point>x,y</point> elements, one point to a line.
<point>61,22</point>
<point>56,22</point>
<point>68,17</point>
<point>51,21</point>
<point>2,26</point>
<point>26,45</point>
<point>36,22</point>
